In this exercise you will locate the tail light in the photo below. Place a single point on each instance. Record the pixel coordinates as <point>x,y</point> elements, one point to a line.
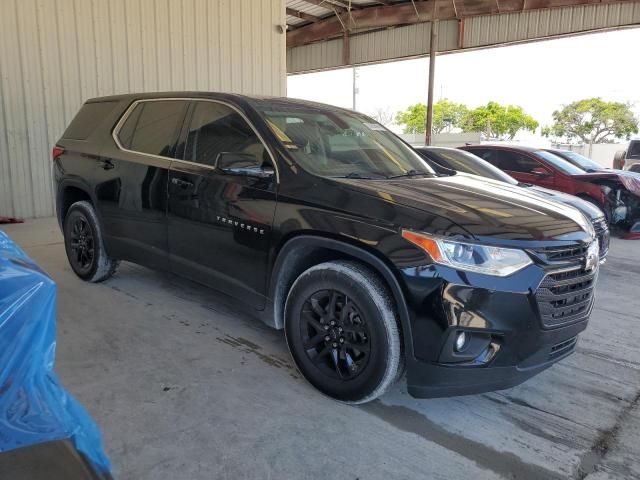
<point>56,152</point>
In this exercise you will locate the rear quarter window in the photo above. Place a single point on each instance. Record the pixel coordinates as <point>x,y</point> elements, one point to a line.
<point>90,116</point>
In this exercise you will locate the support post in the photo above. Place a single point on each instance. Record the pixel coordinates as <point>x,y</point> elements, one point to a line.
<point>432,68</point>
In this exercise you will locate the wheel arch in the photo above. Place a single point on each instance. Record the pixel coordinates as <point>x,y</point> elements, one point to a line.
<point>69,192</point>
<point>304,250</point>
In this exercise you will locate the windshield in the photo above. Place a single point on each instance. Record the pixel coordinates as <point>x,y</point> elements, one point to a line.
<point>560,163</point>
<point>466,162</point>
<point>580,161</point>
<point>335,143</point>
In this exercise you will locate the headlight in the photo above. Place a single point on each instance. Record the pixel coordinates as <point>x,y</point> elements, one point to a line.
<point>471,257</point>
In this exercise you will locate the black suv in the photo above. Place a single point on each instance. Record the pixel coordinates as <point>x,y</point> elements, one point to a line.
<point>329,226</point>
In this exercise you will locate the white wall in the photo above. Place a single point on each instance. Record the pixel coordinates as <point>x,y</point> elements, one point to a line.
<point>55,54</point>
<point>443,139</point>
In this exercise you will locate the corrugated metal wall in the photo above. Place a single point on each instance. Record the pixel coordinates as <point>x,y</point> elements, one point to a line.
<point>480,31</point>
<point>55,54</point>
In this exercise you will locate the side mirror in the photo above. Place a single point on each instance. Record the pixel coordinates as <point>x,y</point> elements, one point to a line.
<point>242,164</point>
<point>541,172</point>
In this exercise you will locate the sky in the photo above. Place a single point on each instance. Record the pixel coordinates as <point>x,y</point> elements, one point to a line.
<point>540,77</point>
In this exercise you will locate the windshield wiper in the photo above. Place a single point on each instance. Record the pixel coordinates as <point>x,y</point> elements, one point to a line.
<point>354,175</point>
<point>411,173</point>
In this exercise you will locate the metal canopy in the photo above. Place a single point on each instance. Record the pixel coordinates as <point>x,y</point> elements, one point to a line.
<point>324,34</point>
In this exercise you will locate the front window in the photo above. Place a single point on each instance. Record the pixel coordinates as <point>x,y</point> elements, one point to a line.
<point>560,163</point>
<point>335,143</point>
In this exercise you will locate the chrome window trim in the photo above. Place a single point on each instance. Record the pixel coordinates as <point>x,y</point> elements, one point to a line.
<point>131,107</point>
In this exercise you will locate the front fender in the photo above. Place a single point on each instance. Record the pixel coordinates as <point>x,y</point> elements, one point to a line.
<point>298,246</point>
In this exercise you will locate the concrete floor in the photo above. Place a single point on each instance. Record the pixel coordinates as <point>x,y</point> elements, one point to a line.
<point>185,387</point>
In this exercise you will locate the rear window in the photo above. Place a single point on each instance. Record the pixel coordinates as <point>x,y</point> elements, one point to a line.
<point>152,127</point>
<point>90,116</point>
<point>634,150</point>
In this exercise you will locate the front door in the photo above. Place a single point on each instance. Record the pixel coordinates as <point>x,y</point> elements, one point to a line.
<point>220,222</point>
<point>527,169</point>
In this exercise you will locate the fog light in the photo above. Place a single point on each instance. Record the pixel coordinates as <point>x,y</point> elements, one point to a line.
<point>461,341</point>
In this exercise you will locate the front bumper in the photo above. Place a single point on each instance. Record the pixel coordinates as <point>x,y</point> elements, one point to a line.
<point>432,380</point>
<point>521,324</point>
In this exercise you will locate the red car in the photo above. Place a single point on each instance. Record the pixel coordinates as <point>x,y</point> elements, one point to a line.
<point>618,196</point>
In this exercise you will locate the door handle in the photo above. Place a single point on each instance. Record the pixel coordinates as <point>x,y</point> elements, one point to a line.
<point>181,183</point>
<point>107,164</point>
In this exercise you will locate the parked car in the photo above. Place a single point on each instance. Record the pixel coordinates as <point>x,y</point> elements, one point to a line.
<point>444,160</point>
<point>586,164</point>
<point>630,158</point>
<point>329,226</point>
<point>618,196</point>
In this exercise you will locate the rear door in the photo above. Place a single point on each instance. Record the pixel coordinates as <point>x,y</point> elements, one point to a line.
<point>132,198</point>
<point>220,223</point>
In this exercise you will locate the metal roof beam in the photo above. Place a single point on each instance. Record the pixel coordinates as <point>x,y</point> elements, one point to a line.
<point>326,4</point>
<point>371,17</point>
<point>304,16</point>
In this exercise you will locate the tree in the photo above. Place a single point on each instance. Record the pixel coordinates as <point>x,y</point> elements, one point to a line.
<point>446,116</point>
<point>593,120</point>
<point>498,121</point>
<point>413,118</point>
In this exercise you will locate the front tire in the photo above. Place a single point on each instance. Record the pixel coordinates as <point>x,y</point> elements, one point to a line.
<point>84,244</point>
<point>342,331</point>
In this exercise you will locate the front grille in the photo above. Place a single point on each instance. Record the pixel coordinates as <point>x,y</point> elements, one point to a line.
<point>572,254</point>
<point>602,233</point>
<point>566,296</point>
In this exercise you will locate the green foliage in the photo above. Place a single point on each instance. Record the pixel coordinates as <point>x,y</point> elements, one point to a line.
<point>498,121</point>
<point>413,118</point>
<point>446,115</point>
<point>593,120</point>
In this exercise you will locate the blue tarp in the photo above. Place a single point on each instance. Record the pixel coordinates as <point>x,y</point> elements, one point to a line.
<point>34,407</point>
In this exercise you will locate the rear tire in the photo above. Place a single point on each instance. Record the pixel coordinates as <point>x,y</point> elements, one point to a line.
<point>84,244</point>
<point>342,331</point>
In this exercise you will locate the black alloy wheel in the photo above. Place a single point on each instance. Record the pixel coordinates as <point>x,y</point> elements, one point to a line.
<point>342,331</point>
<point>335,334</point>
<point>82,243</point>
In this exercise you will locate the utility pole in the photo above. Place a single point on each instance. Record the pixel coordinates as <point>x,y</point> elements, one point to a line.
<point>432,68</point>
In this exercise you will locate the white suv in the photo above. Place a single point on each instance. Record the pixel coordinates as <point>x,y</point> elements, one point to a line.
<point>631,159</point>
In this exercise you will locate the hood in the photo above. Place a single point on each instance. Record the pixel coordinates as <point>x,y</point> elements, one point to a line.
<point>484,208</point>
<point>629,180</point>
<point>588,209</point>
